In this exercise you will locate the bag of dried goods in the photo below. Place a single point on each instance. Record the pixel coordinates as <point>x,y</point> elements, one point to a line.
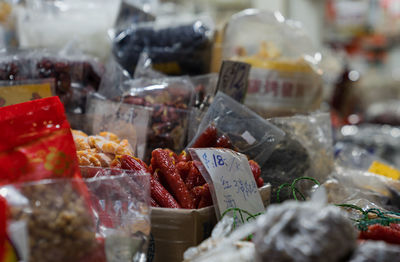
<point>52,220</point>
<point>44,24</point>
<point>175,45</point>
<point>305,151</point>
<point>128,122</point>
<point>171,100</point>
<point>248,132</point>
<point>292,231</point>
<point>284,78</point>
<point>36,142</point>
<point>74,75</point>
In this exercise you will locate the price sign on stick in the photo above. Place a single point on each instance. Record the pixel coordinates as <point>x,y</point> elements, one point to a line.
<point>231,181</point>
<point>233,77</point>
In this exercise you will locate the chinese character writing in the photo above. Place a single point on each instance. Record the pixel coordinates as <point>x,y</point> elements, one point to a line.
<point>229,201</point>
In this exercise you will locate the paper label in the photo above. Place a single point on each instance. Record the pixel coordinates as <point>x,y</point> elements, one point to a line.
<point>231,181</point>
<point>233,79</point>
<point>384,170</point>
<point>11,95</point>
<point>277,89</point>
<point>19,242</point>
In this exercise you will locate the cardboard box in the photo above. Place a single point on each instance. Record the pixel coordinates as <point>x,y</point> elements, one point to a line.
<point>175,230</point>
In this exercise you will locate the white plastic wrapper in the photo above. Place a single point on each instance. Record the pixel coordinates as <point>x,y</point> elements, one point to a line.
<point>376,251</point>
<point>292,231</point>
<point>51,24</point>
<point>285,77</point>
<point>363,189</point>
<point>304,231</point>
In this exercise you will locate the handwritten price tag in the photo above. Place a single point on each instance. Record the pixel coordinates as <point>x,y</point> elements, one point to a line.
<point>230,178</point>
<point>233,78</point>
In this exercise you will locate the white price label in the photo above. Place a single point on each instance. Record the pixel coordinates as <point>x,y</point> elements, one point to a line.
<point>231,181</point>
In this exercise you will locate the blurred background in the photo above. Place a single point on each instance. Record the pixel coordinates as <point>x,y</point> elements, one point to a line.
<point>355,43</point>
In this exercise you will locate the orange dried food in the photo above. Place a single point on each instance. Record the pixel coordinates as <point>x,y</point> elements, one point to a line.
<point>81,144</point>
<point>110,136</point>
<point>100,150</point>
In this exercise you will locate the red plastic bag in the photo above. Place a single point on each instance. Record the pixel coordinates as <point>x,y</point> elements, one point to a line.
<point>36,142</point>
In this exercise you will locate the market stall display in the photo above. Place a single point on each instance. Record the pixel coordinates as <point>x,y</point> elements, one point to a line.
<point>147,156</point>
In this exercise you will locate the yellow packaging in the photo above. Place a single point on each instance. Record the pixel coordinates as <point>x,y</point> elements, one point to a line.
<point>15,94</point>
<point>384,170</point>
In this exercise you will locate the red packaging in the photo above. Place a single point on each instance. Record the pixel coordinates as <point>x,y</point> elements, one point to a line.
<point>36,142</point>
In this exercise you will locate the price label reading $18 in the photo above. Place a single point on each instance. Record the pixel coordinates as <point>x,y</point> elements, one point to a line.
<point>231,178</point>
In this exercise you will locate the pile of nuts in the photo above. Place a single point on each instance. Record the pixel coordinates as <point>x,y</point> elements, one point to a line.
<point>58,221</point>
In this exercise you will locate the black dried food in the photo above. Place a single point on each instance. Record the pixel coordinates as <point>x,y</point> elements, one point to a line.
<point>175,51</point>
<point>289,160</point>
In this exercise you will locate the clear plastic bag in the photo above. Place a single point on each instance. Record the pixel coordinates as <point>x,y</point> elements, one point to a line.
<point>355,157</point>
<point>306,150</point>
<point>292,231</point>
<point>171,100</point>
<point>51,24</point>
<point>205,88</point>
<point>120,200</point>
<point>375,251</point>
<point>381,140</point>
<point>14,66</point>
<point>284,78</point>
<point>129,122</point>
<point>104,218</point>
<point>144,68</point>
<point>175,46</point>
<point>74,74</point>
<point>248,132</point>
<point>362,188</point>
<point>135,11</point>
<point>304,231</point>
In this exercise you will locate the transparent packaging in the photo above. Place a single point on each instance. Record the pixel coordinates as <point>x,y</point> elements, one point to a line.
<point>305,151</point>
<point>249,133</point>
<point>171,100</point>
<point>74,74</point>
<point>129,122</point>
<point>285,77</point>
<point>103,218</point>
<point>381,140</point>
<point>362,188</point>
<point>176,46</point>
<point>292,231</point>
<point>51,24</point>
